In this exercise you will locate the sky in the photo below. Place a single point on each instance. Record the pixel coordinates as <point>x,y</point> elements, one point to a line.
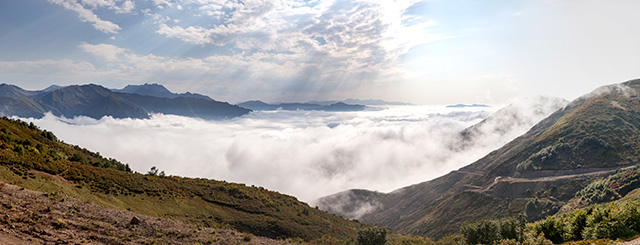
<point>417,51</point>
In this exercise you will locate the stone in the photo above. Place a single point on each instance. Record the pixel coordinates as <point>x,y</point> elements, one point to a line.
<point>135,220</point>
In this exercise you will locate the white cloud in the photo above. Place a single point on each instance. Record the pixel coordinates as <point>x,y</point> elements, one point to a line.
<point>195,35</point>
<point>103,51</point>
<point>126,7</point>
<point>87,15</point>
<point>303,153</point>
<point>161,3</point>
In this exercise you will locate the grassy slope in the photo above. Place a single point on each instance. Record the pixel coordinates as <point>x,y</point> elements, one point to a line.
<point>31,217</point>
<point>601,130</point>
<point>88,176</point>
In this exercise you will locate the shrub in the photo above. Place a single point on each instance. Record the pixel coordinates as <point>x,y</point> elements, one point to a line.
<point>493,231</point>
<point>60,224</point>
<point>577,225</point>
<point>552,228</point>
<point>372,236</point>
<point>417,240</point>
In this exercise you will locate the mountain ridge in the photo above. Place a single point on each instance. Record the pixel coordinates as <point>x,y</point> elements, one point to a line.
<point>366,102</point>
<point>96,101</point>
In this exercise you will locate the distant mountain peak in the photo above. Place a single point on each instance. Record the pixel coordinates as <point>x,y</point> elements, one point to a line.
<point>153,89</point>
<point>157,90</point>
<point>51,88</point>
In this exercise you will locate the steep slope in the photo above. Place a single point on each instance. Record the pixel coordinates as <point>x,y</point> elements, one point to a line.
<point>510,121</point>
<point>88,100</point>
<point>12,91</point>
<point>36,160</point>
<point>561,155</point>
<point>22,107</point>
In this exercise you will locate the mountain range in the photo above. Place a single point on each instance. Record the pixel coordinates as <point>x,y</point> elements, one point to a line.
<point>96,101</point>
<point>538,174</point>
<point>262,106</point>
<point>368,102</point>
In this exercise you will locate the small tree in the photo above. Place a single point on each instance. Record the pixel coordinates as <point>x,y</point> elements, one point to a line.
<point>153,171</point>
<point>372,236</point>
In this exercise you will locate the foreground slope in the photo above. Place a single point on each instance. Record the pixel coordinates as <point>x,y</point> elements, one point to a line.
<point>32,217</point>
<point>537,173</point>
<point>36,160</point>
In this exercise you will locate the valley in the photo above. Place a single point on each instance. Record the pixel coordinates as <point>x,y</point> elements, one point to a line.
<point>367,122</point>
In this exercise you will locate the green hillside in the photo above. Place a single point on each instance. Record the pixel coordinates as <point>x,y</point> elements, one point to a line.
<point>538,174</point>
<point>607,211</point>
<point>35,159</point>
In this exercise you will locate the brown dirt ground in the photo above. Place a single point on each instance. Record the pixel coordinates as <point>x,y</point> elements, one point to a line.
<point>31,217</point>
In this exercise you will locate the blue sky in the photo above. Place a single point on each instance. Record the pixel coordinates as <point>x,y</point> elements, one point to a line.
<point>425,52</point>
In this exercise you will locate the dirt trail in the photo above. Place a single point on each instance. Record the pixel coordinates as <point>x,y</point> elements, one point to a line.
<point>554,177</point>
<point>632,242</point>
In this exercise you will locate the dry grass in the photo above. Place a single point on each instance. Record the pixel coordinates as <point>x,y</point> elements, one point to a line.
<point>40,217</point>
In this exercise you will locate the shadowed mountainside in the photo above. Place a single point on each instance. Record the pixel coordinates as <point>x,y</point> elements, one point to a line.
<point>538,173</point>
<point>96,101</point>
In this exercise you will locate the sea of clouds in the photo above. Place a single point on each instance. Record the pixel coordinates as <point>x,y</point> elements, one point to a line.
<point>307,154</point>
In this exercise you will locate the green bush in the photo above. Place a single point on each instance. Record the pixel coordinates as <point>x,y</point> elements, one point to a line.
<point>493,231</point>
<point>372,236</point>
<point>552,228</point>
<point>611,221</point>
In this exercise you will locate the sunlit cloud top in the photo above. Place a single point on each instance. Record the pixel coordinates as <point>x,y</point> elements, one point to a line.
<point>298,50</point>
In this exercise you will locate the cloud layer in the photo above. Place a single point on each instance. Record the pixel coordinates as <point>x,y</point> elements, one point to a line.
<point>302,153</point>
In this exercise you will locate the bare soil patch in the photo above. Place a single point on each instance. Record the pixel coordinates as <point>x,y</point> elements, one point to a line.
<point>31,217</point>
